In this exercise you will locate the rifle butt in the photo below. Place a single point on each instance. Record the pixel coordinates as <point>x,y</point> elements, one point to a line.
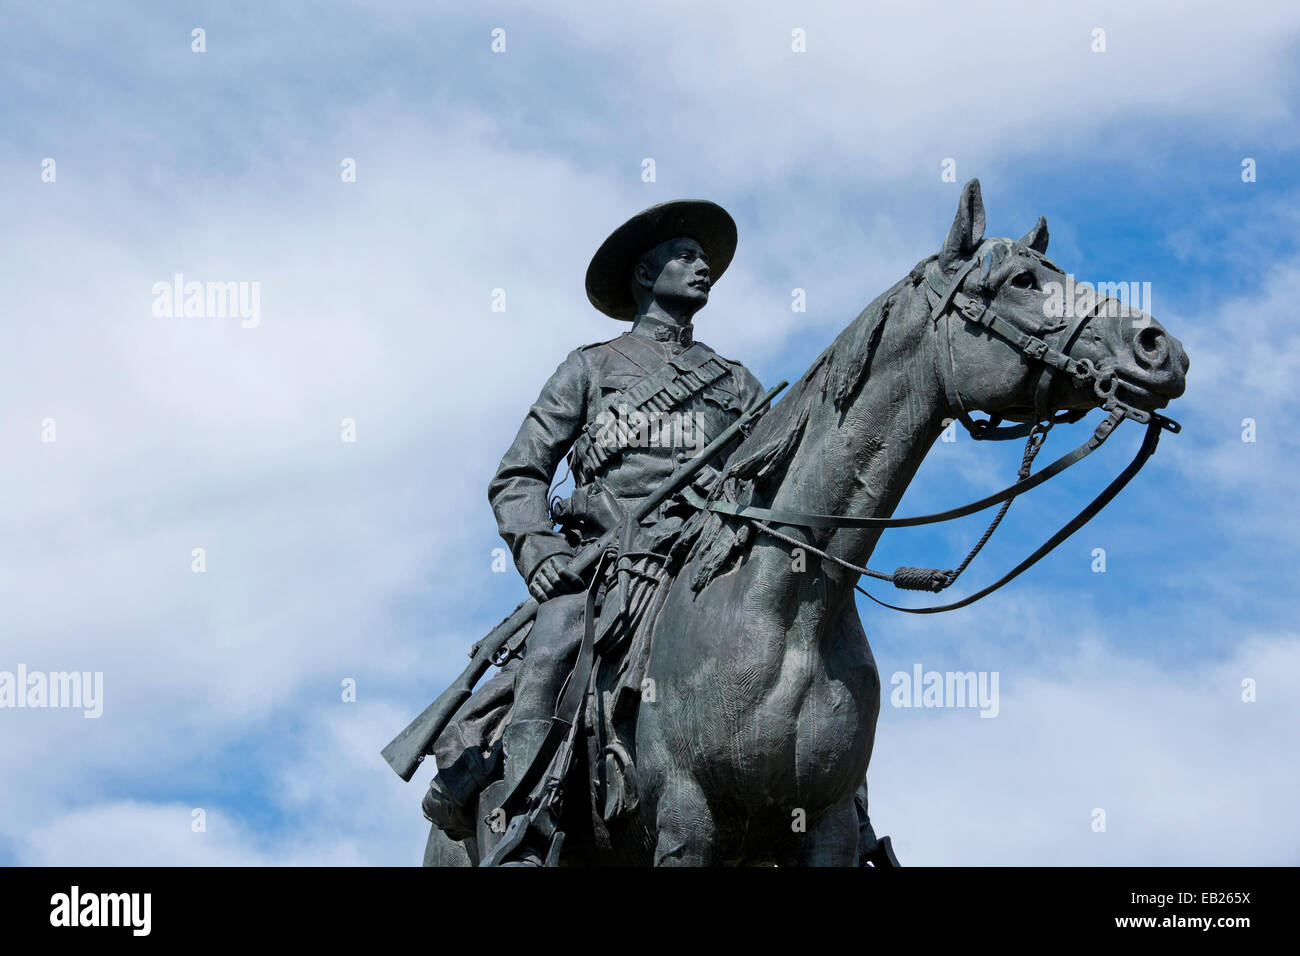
<point>405,752</point>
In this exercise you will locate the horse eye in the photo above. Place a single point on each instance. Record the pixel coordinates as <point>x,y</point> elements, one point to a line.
<point>1025,280</point>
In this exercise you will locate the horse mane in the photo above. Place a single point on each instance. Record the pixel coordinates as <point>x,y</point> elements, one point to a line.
<point>839,372</point>
<point>760,463</point>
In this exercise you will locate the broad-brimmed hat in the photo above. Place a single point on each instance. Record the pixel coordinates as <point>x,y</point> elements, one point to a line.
<point>611,267</point>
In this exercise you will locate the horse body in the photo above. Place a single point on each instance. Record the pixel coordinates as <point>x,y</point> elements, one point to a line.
<point>767,691</point>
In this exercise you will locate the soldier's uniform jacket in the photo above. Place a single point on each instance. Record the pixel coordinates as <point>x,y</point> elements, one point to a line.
<point>655,368</point>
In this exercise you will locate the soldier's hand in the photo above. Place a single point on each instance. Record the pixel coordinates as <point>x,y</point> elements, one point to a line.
<point>553,578</point>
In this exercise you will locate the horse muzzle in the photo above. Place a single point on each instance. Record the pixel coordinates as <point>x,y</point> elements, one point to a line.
<point>1141,364</point>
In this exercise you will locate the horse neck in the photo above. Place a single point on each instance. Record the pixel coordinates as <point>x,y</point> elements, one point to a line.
<point>858,459</point>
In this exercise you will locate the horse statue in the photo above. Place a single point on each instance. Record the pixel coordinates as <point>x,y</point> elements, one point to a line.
<point>759,729</point>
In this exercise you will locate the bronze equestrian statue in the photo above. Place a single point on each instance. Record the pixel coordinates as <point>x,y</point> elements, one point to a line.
<point>654,271</point>
<point>701,690</point>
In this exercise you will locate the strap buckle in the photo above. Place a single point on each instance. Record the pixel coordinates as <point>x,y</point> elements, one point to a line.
<point>973,311</point>
<point>1108,425</point>
<point>1036,348</point>
<point>1146,418</point>
<point>1168,424</point>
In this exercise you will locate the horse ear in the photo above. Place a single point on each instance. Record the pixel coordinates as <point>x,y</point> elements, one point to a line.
<point>1036,238</point>
<point>967,230</point>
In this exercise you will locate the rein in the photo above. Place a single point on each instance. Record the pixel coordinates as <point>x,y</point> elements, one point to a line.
<point>1040,346</point>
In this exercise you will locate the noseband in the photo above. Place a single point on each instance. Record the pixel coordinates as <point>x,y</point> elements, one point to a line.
<point>1047,347</point>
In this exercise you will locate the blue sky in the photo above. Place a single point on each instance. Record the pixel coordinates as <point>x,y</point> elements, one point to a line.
<point>372,560</point>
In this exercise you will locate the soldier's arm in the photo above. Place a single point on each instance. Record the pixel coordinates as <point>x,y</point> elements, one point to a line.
<point>751,389</point>
<point>518,492</point>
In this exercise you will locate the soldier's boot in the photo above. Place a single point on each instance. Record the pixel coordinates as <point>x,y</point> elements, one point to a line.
<point>452,798</point>
<point>447,810</point>
<point>522,742</point>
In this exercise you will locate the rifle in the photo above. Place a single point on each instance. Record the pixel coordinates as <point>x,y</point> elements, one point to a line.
<point>405,751</point>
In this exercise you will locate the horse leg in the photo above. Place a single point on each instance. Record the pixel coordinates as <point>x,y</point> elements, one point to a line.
<point>833,839</point>
<point>684,830</point>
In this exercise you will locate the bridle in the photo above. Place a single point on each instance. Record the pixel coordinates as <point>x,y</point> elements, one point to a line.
<point>1039,344</point>
<point>1048,348</point>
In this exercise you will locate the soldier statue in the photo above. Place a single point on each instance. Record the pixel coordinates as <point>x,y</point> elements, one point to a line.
<point>599,409</point>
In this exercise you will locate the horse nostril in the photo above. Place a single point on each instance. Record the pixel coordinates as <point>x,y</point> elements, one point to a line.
<point>1152,346</point>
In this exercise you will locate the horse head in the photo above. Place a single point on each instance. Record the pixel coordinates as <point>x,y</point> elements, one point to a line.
<point>1028,346</point>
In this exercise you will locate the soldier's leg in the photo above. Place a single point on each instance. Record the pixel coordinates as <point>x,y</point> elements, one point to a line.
<point>551,649</point>
<point>467,761</point>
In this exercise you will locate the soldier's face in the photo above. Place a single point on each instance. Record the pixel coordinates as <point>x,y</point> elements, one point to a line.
<point>683,273</point>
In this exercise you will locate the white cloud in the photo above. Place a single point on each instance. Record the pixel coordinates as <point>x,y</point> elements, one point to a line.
<point>893,88</point>
<point>1186,773</point>
<point>337,805</point>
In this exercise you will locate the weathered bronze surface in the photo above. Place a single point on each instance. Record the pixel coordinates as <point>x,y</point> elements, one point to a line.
<point>697,693</point>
